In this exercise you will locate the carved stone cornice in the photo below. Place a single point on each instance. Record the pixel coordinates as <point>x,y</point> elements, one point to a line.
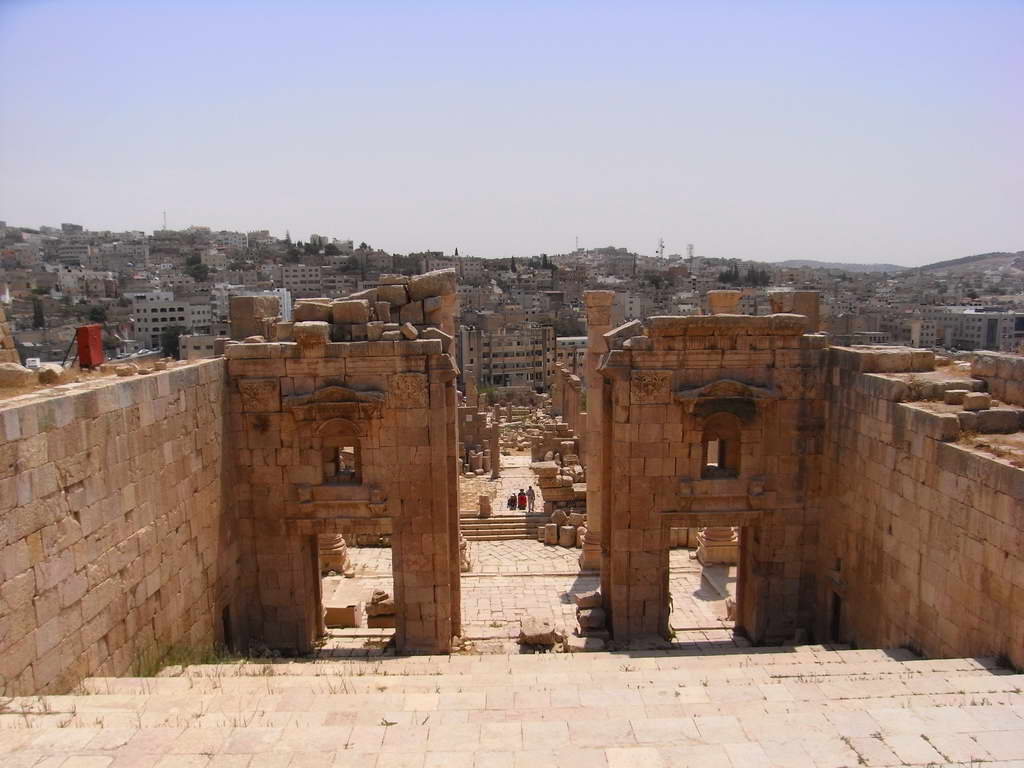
<point>335,402</point>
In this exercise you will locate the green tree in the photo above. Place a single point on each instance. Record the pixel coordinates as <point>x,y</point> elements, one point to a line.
<point>198,272</point>
<point>169,339</point>
<point>97,314</point>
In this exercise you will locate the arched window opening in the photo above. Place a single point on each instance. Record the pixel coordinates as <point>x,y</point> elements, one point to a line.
<point>720,447</point>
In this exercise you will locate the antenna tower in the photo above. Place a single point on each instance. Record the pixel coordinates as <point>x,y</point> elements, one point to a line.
<point>165,220</point>
<point>661,247</point>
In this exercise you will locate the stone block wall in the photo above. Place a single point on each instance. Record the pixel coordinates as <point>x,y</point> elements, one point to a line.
<point>666,387</point>
<point>114,544</point>
<point>389,404</point>
<point>921,537</point>
<point>1003,373</point>
<point>8,354</point>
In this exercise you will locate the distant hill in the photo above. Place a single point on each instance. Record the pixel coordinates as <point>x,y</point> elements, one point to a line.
<point>839,265</point>
<point>978,261</point>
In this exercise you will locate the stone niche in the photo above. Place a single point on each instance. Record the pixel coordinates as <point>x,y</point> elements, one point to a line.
<point>710,422</point>
<point>353,438</point>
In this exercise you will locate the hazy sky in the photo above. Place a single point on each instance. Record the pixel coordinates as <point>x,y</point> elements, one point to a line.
<point>858,131</point>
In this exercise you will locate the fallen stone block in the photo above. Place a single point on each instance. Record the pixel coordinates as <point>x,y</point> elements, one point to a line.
<point>350,311</point>
<point>954,396</point>
<point>567,536</point>
<point>590,599</point>
<point>977,401</point>
<point>440,282</point>
<point>409,331</point>
<point>590,618</point>
<point>396,295</point>
<point>575,644</point>
<point>437,333</point>
<point>311,311</point>
<point>998,420</point>
<point>411,313</point>
<point>539,632</point>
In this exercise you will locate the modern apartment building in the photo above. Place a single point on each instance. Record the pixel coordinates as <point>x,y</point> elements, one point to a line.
<point>302,280</point>
<point>521,355</point>
<point>967,328</point>
<point>154,312</point>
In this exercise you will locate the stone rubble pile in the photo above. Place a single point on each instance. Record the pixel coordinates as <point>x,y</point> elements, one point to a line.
<point>400,308</point>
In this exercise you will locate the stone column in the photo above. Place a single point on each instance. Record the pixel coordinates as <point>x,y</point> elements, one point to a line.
<point>494,446</point>
<point>599,322</point>
<point>718,546</point>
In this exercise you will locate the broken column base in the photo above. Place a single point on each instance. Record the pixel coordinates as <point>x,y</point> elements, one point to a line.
<point>718,546</point>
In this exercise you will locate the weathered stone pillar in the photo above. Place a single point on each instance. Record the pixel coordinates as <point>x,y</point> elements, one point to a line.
<point>494,446</point>
<point>724,302</point>
<point>805,303</point>
<point>599,322</point>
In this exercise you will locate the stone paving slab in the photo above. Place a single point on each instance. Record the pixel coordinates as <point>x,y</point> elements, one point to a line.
<point>516,579</point>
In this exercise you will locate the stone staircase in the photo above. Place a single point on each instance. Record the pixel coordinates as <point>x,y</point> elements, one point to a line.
<point>500,526</point>
<point>809,706</point>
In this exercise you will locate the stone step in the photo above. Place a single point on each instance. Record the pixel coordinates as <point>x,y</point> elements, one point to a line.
<point>979,735</point>
<point>804,706</point>
<point>606,687</point>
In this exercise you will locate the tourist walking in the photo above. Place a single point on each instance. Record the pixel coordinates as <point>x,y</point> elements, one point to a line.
<point>522,499</point>
<point>530,496</point>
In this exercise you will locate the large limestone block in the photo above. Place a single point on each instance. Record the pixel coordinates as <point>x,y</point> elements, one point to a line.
<point>977,401</point>
<point>15,375</point>
<point>350,311</point>
<point>539,632</point>
<point>437,333</point>
<point>567,536</point>
<point>411,313</point>
<point>954,396</point>
<point>396,295</point>
<point>1001,420</point>
<point>311,311</point>
<point>311,334</point>
<point>723,302</point>
<point>550,533</point>
<point>440,282</point>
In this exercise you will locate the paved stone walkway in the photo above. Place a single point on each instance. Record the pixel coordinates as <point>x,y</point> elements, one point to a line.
<point>515,579</point>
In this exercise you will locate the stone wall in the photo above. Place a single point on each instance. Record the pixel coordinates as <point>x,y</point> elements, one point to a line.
<point>8,354</point>
<point>356,437</point>
<point>921,536</point>
<point>668,389</point>
<point>113,541</point>
<point>1003,373</point>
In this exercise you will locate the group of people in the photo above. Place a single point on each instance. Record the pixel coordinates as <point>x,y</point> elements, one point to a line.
<point>522,500</point>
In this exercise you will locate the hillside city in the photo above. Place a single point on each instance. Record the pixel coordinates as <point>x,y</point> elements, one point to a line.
<point>168,293</point>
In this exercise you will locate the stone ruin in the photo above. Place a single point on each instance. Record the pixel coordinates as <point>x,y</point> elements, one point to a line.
<point>877,495</point>
<point>346,423</point>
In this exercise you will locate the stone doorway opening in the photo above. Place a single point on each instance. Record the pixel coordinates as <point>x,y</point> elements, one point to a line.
<point>358,597</point>
<point>704,567</point>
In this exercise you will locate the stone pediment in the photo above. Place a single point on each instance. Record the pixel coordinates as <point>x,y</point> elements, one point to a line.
<point>724,389</point>
<point>334,402</point>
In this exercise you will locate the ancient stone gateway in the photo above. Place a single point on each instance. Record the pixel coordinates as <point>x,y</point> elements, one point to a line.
<point>710,421</point>
<point>350,438</point>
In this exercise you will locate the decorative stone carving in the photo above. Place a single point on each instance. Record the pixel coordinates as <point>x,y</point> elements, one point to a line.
<point>259,394</point>
<point>650,387</point>
<point>335,402</point>
<point>409,390</point>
